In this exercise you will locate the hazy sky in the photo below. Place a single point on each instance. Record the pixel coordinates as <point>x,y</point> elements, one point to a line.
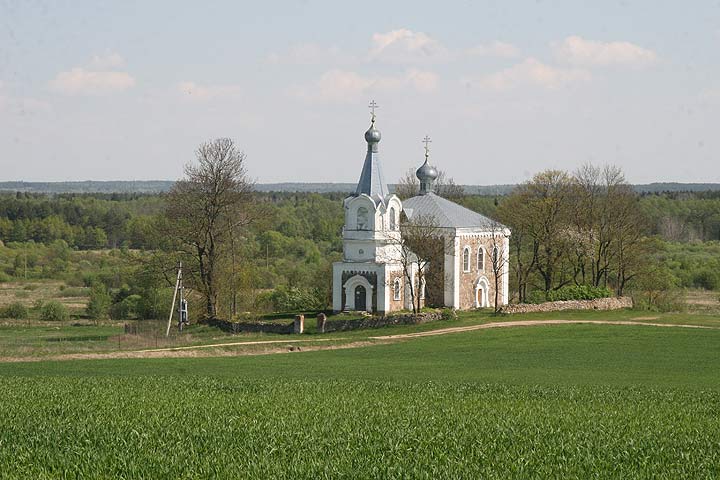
<point>127,90</point>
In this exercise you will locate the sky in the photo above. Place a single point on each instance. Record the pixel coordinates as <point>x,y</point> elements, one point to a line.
<point>125,90</point>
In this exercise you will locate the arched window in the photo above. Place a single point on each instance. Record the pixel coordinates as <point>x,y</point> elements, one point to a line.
<point>495,257</point>
<point>422,288</point>
<point>362,219</point>
<point>466,259</point>
<point>397,287</point>
<point>392,218</point>
<point>481,259</point>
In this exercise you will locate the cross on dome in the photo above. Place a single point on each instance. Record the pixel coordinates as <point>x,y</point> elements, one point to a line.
<point>372,107</point>
<point>427,141</point>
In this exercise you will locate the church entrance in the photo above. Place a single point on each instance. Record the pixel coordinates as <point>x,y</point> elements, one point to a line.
<point>480,297</point>
<point>360,299</point>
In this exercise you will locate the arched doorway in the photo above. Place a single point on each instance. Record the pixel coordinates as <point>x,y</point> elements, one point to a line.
<point>482,289</point>
<point>360,298</point>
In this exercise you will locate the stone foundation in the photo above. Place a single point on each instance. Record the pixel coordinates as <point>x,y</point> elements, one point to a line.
<point>324,325</point>
<point>379,322</point>
<point>613,303</point>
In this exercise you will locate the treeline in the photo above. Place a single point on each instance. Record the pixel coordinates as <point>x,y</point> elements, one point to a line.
<point>87,221</point>
<point>683,216</point>
<point>580,229</point>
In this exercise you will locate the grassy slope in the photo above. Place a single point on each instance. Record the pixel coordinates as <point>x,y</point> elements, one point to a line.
<point>572,354</point>
<point>565,401</point>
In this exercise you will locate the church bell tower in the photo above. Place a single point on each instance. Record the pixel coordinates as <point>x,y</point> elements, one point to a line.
<point>370,236</point>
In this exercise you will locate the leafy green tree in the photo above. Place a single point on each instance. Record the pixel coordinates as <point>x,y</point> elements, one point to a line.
<point>98,306</point>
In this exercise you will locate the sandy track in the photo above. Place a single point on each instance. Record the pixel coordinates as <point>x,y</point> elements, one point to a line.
<point>282,346</point>
<point>531,323</point>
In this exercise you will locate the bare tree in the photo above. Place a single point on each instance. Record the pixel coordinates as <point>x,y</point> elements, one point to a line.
<point>409,186</point>
<point>206,209</point>
<point>498,257</point>
<point>524,245</point>
<point>420,250</point>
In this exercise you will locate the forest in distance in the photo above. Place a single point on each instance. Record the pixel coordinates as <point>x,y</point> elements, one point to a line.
<point>105,241</point>
<point>159,186</point>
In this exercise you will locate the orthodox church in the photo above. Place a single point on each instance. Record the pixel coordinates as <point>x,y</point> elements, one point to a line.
<point>374,276</point>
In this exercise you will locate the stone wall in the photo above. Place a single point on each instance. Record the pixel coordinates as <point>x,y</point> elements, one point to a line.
<point>330,325</point>
<point>396,305</point>
<point>469,279</point>
<point>378,322</point>
<point>614,303</point>
<point>253,327</point>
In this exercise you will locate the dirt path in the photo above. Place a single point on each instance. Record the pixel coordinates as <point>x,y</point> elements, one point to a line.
<point>285,346</point>
<point>531,323</point>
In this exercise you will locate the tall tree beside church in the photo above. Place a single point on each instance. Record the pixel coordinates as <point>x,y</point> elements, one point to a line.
<point>499,256</point>
<point>546,205</point>
<point>514,211</point>
<point>208,208</point>
<point>419,248</point>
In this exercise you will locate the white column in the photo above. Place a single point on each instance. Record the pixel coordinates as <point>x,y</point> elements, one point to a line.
<point>383,299</point>
<point>506,272</point>
<point>337,287</point>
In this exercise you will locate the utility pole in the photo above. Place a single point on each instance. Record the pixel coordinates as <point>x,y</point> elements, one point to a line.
<point>178,286</point>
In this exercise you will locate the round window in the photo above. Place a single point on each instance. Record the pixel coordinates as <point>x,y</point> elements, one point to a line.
<point>361,251</point>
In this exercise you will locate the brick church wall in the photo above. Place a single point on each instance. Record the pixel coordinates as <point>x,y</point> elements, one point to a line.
<point>396,304</point>
<point>468,279</point>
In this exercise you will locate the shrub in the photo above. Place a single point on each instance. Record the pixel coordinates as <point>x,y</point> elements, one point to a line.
<point>73,292</point>
<point>4,277</point>
<point>707,278</point>
<point>571,292</point>
<point>99,304</point>
<point>126,308</point>
<point>15,310</point>
<point>295,299</point>
<point>153,303</point>
<point>53,310</point>
<point>661,301</point>
<point>448,314</point>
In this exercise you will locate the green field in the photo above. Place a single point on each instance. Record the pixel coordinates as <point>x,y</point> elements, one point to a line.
<point>569,401</point>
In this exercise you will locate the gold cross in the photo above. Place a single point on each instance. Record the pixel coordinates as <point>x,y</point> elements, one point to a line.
<point>427,141</point>
<point>373,106</point>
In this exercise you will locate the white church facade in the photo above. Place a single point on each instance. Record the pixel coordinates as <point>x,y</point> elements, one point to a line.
<point>375,276</point>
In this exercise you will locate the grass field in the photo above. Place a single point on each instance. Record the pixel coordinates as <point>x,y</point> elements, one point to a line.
<point>563,401</point>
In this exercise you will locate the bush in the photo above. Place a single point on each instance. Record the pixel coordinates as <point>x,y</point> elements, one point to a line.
<point>707,279</point>
<point>15,310</point>
<point>126,308</point>
<point>99,305</point>
<point>661,301</point>
<point>73,292</point>
<point>448,314</point>
<point>4,277</point>
<point>153,303</point>
<point>571,292</point>
<point>53,310</point>
<point>294,299</point>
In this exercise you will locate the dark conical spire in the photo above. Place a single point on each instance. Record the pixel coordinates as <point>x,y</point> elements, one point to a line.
<point>371,181</point>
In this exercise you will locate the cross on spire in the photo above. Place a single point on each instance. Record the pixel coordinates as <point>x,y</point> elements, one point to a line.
<point>427,143</point>
<point>372,107</point>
